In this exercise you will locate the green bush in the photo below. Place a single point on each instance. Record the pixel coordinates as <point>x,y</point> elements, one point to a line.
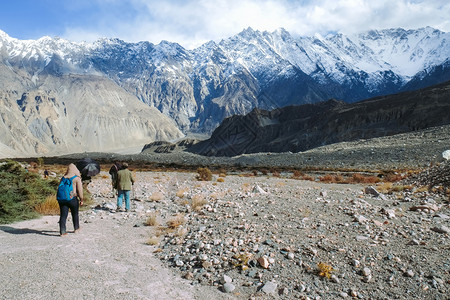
<point>21,191</point>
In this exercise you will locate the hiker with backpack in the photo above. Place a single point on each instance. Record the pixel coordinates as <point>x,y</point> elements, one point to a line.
<point>70,191</point>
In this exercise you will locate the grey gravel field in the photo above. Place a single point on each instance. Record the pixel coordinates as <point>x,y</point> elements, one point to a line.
<point>247,236</point>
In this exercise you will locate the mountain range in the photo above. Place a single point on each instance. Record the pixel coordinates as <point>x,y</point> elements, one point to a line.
<point>59,96</point>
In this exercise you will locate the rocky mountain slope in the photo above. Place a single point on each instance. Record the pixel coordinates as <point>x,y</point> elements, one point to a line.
<point>198,88</point>
<point>74,113</point>
<point>299,128</point>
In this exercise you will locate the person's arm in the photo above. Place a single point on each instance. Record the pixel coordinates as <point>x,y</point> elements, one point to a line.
<point>79,187</point>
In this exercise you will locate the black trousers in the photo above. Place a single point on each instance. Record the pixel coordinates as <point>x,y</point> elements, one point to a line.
<point>64,207</point>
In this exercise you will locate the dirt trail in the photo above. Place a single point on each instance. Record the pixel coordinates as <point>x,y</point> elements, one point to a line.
<point>106,260</point>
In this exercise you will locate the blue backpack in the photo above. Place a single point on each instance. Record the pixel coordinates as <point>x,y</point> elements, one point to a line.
<point>65,190</point>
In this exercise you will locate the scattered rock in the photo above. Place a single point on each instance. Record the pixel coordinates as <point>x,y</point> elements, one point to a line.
<point>228,287</point>
<point>270,287</point>
<point>263,262</point>
<point>371,191</point>
<point>441,229</point>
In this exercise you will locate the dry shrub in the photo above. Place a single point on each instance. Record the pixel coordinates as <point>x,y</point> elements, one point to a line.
<point>204,174</point>
<point>222,175</point>
<point>180,193</point>
<point>422,189</point>
<point>198,201</point>
<point>156,196</point>
<point>401,188</point>
<point>332,178</point>
<point>176,221</point>
<point>152,219</point>
<point>264,171</point>
<point>308,177</point>
<point>297,174</point>
<point>385,187</point>
<point>153,241</point>
<point>49,207</point>
<point>393,177</point>
<point>325,270</point>
<point>220,179</point>
<point>104,176</point>
<point>360,178</point>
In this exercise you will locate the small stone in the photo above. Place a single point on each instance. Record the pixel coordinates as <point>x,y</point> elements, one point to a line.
<point>189,276</point>
<point>361,237</point>
<point>413,243</point>
<point>179,263</point>
<point>334,279</point>
<point>290,255</point>
<point>263,262</point>
<point>356,263</point>
<point>366,272</point>
<point>441,229</point>
<point>343,294</point>
<point>226,279</point>
<point>361,219</point>
<point>228,287</point>
<point>409,273</point>
<point>372,191</point>
<point>270,287</point>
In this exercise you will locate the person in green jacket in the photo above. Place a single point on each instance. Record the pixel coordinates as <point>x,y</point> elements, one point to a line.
<point>124,182</point>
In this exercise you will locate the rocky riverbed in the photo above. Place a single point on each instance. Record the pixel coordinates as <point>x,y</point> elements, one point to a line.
<point>258,232</point>
<point>258,237</point>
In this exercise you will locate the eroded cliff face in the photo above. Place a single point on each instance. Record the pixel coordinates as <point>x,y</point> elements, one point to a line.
<point>74,113</point>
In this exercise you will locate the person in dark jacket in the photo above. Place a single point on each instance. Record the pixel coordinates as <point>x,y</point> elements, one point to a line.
<point>125,181</point>
<point>113,172</point>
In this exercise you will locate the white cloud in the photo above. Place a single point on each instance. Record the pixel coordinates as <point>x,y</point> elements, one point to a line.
<point>193,22</point>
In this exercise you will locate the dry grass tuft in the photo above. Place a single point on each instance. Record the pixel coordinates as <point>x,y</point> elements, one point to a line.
<point>176,221</point>
<point>152,219</point>
<point>385,187</point>
<point>297,174</point>
<point>360,178</point>
<point>153,241</point>
<point>198,201</point>
<point>204,174</point>
<point>329,178</point>
<point>181,192</point>
<point>49,207</point>
<point>220,179</point>
<point>325,270</point>
<point>156,196</point>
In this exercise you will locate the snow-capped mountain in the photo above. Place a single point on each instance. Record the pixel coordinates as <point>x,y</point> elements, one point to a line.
<point>199,88</point>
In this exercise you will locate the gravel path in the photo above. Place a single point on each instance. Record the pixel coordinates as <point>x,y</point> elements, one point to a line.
<point>106,260</point>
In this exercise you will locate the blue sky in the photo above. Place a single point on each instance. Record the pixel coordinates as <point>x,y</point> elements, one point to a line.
<point>193,22</point>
